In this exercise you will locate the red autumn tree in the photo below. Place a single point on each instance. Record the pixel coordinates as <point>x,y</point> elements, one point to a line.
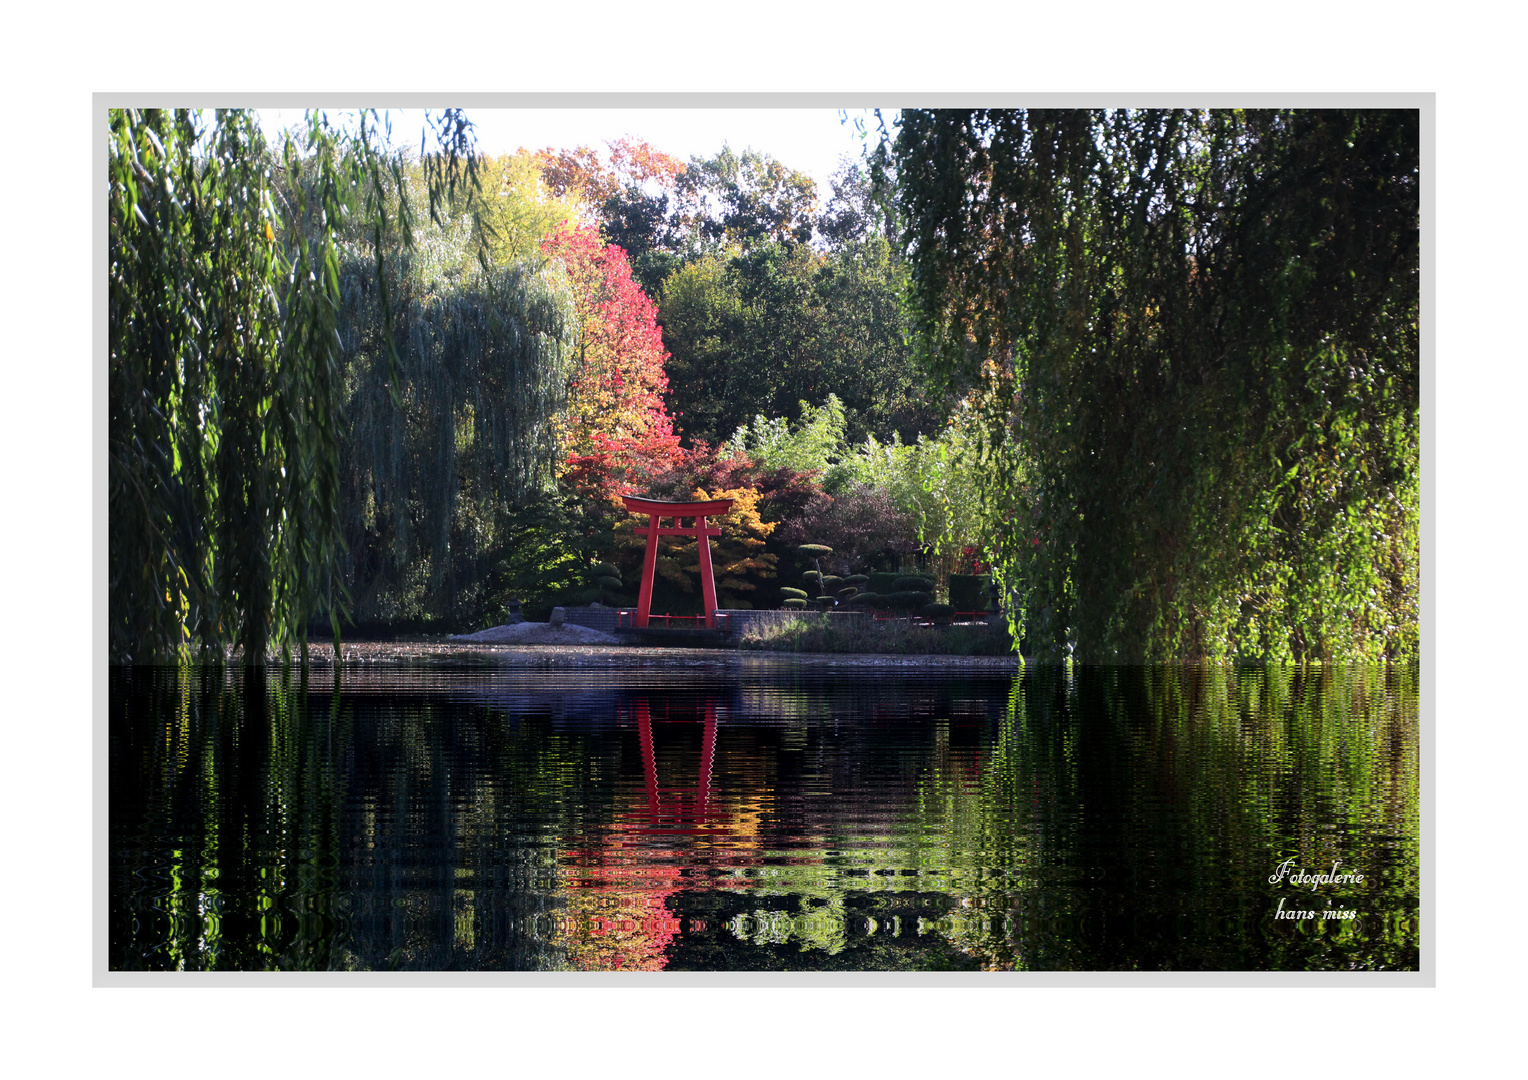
<point>618,432</point>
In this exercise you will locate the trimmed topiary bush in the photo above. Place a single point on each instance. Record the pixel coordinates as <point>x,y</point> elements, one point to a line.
<point>795,603</point>
<point>813,582</point>
<point>882,582</point>
<point>939,613</point>
<point>857,579</point>
<point>968,592</point>
<point>831,584</point>
<point>913,583</point>
<point>866,600</point>
<point>790,593</point>
<point>605,579</point>
<point>814,551</point>
<point>845,594</point>
<point>907,600</point>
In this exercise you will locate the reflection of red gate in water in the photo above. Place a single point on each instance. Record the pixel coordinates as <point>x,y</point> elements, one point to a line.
<point>667,806</point>
<point>618,917</point>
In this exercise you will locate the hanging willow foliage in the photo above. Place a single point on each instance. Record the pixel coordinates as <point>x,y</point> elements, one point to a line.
<point>1194,335</point>
<point>434,471</point>
<point>225,369</point>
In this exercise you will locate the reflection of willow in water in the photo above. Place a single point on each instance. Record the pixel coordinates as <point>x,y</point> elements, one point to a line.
<point>1162,799</point>
<point>1104,819</point>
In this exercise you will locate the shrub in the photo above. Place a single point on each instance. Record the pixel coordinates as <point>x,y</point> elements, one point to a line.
<point>906,600</point>
<point>857,579</point>
<point>814,551</point>
<point>914,583</point>
<point>939,613</point>
<point>795,603</point>
<point>813,581</point>
<point>831,584</point>
<point>846,594</point>
<point>968,592</point>
<point>883,582</point>
<point>790,593</point>
<point>813,634</point>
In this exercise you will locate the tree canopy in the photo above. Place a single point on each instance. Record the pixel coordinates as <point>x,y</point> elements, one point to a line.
<point>1194,335</point>
<point>226,367</point>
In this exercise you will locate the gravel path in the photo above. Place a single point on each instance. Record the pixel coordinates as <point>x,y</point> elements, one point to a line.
<point>537,633</point>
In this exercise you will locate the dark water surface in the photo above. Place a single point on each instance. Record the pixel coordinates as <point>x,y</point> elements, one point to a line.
<point>440,818</point>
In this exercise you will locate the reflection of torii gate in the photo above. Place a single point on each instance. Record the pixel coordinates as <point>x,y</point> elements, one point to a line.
<point>656,512</point>
<point>672,810</point>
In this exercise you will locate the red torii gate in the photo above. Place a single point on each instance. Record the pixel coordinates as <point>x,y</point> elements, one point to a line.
<point>656,511</point>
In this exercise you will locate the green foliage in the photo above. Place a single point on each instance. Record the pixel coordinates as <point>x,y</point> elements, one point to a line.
<point>811,445</point>
<point>226,373</point>
<point>883,581</point>
<point>818,632</point>
<point>756,332</point>
<point>792,594</point>
<point>445,447</point>
<point>917,582</point>
<point>745,199</point>
<point>968,592</point>
<point>539,555</point>
<point>517,210</point>
<point>1192,338</point>
<point>939,613</point>
<point>703,318</point>
<point>795,603</point>
<point>937,482</point>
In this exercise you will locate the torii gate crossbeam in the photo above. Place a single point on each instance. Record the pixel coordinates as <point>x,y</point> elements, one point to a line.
<point>656,512</point>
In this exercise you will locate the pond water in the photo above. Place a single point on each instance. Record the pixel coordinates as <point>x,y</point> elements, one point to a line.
<point>435,816</point>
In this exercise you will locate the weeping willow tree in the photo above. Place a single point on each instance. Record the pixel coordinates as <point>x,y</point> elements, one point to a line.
<point>226,371</point>
<point>449,448</point>
<point>1194,336</point>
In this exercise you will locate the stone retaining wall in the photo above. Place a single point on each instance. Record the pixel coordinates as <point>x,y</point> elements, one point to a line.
<point>600,618</point>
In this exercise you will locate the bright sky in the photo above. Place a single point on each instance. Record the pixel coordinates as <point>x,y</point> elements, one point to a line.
<point>811,140</point>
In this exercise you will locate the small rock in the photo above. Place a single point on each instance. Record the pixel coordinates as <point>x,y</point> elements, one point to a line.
<point>557,617</point>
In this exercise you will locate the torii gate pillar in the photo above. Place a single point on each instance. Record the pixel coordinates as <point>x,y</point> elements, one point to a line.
<point>656,512</point>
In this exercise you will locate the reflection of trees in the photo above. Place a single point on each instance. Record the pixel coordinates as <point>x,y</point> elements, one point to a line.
<point>1160,800</point>
<point>1103,819</point>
